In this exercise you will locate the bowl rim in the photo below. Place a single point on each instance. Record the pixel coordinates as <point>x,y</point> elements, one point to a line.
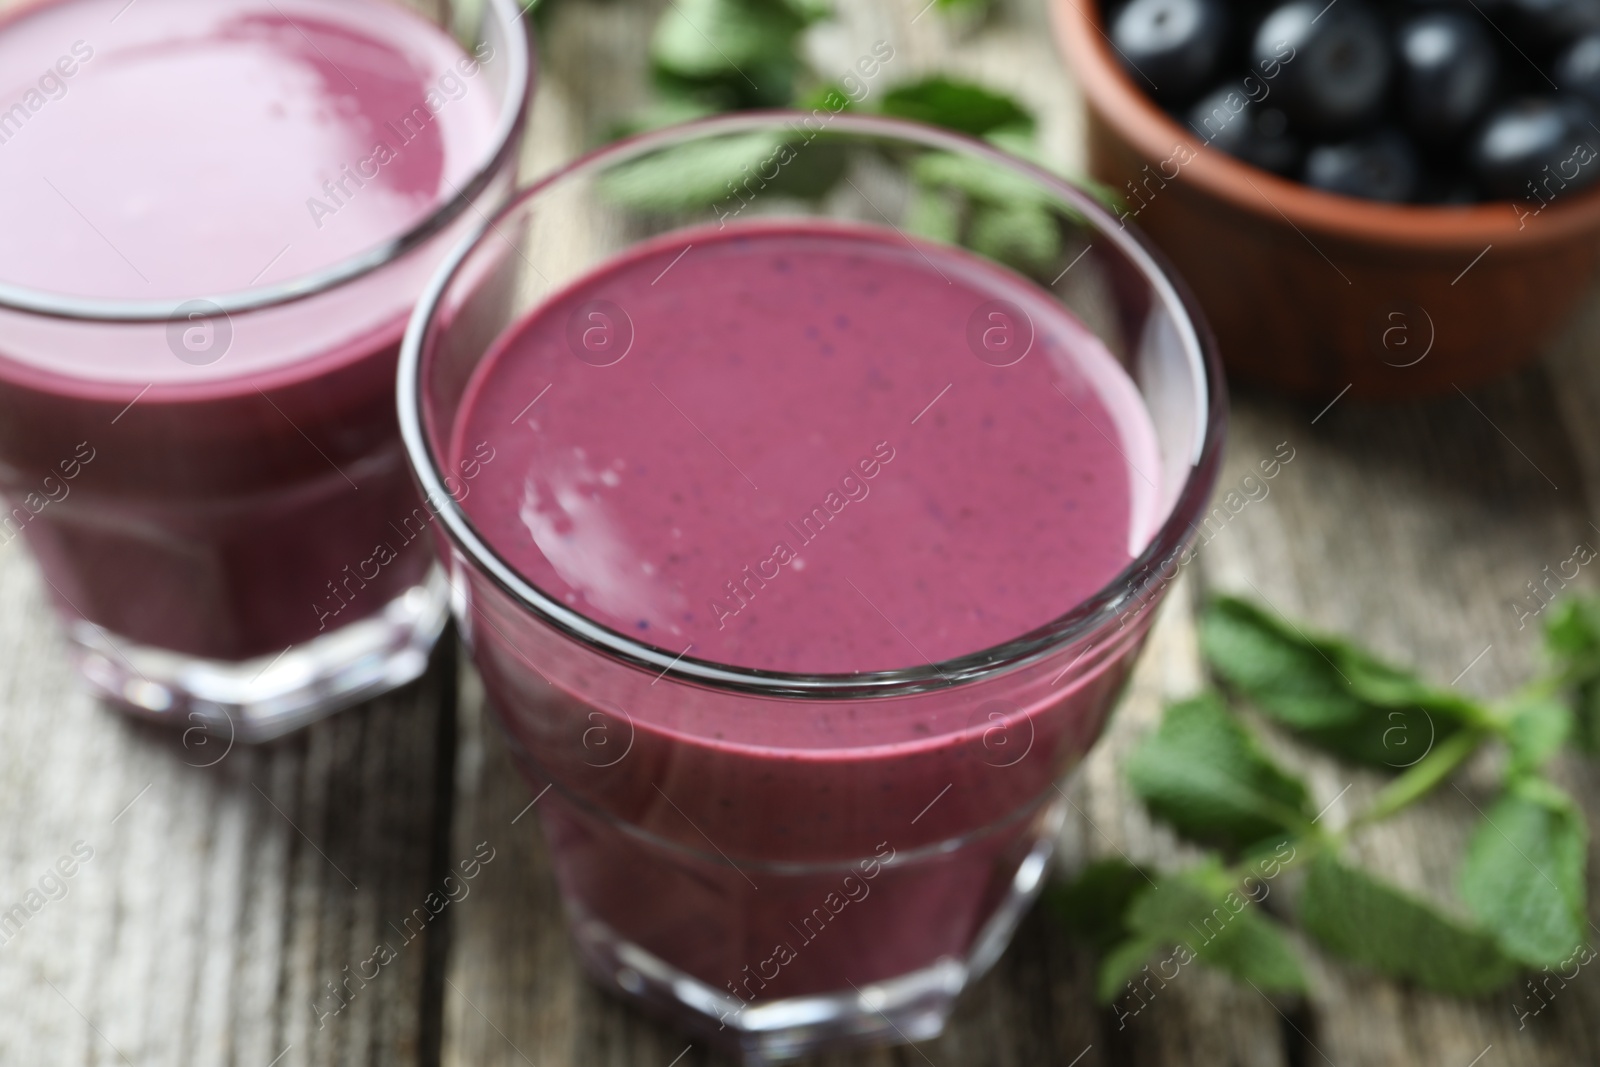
<point>1142,577</point>
<point>1118,101</point>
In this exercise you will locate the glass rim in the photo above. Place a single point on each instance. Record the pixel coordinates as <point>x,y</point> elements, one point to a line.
<point>519,90</point>
<point>1084,618</point>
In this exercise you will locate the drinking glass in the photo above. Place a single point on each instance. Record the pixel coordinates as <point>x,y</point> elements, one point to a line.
<point>762,856</point>
<point>230,543</point>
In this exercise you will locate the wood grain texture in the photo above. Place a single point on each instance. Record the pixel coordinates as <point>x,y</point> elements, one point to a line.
<point>225,888</point>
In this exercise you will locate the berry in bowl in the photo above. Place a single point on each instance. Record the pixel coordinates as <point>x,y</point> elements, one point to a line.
<point>1399,198</point>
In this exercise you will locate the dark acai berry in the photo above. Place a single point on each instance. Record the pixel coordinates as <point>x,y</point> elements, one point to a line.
<point>1378,166</point>
<point>1537,147</point>
<point>1228,120</point>
<point>1332,61</point>
<point>1546,23</point>
<point>1175,46</point>
<point>1449,66</point>
<point>1578,69</point>
<point>1441,102</point>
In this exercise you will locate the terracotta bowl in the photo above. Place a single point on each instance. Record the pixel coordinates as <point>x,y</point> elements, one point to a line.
<point>1310,292</point>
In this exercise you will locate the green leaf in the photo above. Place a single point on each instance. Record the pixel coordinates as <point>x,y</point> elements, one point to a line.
<point>1586,715</point>
<point>1200,914</point>
<point>983,181</point>
<point>1572,629</point>
<point>1523,876</point>
<point>727,172</point>
<point>829,97</point>
<point>744,51</point>
<point>934,215</point>
<point>1283,673</point>
<point>1023,235</point>
<point>986,182</point>
<point>1336,695</point>
<point>1019,142</point>
<point>1390,738</point>
<point>1536,728</point>
<point>1363,920</point>
<point>957,105</point>
<point>809,11</point>
<point>1255,949</point>
<point>1094,905</point>
<point>1120,966</point>
<point>667,109</point>
<point>690,176</point>
<point>1572,640</point>
<point>1202,772</point>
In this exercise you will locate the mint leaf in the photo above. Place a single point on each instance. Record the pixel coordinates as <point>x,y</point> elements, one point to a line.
<point>809,11</point>
<point>934,215</point>
<point>738,53</point>
<point>956,105</point>
<point>1586,717</point>
<point>1203,773</point>
<point>1255,949</point>
<point>978,178</point>
<point>1009,218</point>
<point>1333,693</point>
<point>1572,639</point>
<point>1535,729</point>
<point>1094,905</point>
<point>1204,911</point>
<point>690,176</point>
<point>1363,920</point>
<point>1523,876</point>
<point>1120,966</point>
<point>1572,631</point>
<point>665,110</point>
<point>1200,914</point>
<point>829,97</point>
<point>1270,663</point>
<point>1023,235</point>
<point>726,173</point>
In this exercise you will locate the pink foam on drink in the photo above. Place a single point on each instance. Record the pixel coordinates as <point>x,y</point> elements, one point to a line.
<point>172,149</point>
<point>166,150</point>
<point>800,463</point>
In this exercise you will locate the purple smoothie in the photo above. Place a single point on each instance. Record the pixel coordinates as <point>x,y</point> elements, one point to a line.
<point>788,447</point>
<point>171,149</point>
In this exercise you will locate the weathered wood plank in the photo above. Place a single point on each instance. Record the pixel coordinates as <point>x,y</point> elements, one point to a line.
<point>216,900</point>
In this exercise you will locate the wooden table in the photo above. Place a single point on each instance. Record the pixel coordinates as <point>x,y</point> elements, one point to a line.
<point>221,901</point>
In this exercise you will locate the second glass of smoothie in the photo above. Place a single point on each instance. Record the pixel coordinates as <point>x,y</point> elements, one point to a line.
<point>838,464</point>
<point>219,215</point>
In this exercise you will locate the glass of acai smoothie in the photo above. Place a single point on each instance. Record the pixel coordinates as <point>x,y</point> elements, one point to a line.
<point>837,466</point>
<point>219,215</point>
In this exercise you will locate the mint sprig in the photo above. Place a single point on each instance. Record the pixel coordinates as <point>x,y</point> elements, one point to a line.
<point>1521,892</point>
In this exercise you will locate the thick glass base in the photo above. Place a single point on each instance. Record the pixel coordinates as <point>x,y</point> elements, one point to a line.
<point>260,699</point>
<point>905,1009</point>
